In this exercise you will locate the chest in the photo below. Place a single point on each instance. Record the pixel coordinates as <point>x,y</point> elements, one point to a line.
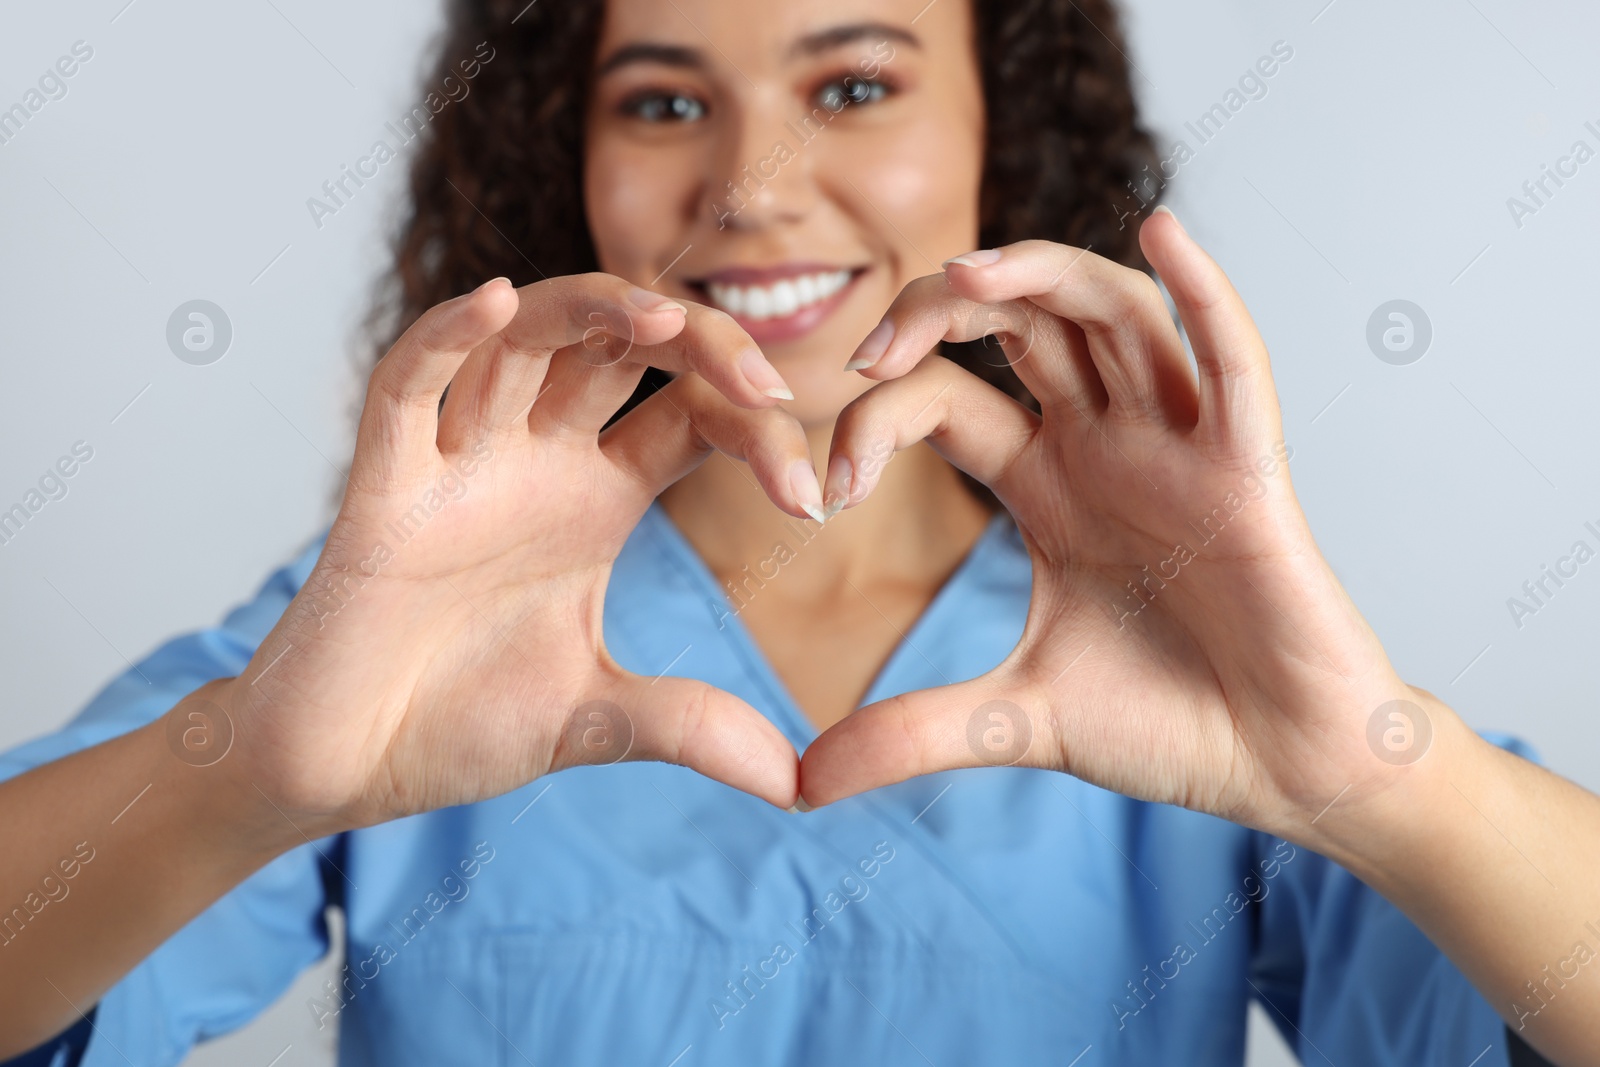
<point>622,914</point>
<point>828,651</point>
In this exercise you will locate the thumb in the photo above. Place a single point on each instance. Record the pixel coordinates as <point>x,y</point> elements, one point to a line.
<point>969,724</point>
<point>682,721</point>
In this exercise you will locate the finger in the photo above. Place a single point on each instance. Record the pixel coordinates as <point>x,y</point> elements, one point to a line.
<point>1236,391</point>
<point>400,420</point>
<point>969,422</point>
<point>682,721</point>
<point>929,310</point>
<point>1131,336</point>
<point>717,348</point>
<point>969,724</point>
<point>672,432</point>
<point>579,397</point>
<point>591,313</point>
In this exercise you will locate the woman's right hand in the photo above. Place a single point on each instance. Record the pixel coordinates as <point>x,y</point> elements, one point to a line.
<point>447,646</point>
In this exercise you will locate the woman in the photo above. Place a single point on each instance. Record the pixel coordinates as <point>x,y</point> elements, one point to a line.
<point>513,588</point>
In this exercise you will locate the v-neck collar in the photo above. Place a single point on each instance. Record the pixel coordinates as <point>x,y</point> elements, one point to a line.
<point>788,715</point>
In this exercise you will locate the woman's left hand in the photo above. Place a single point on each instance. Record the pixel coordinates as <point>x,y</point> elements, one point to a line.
<point>1186,641</point>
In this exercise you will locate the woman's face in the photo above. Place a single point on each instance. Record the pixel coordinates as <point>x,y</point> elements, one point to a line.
<point>794,165</point>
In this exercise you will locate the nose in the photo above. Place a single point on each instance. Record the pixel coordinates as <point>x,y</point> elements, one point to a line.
<point>762,175</point>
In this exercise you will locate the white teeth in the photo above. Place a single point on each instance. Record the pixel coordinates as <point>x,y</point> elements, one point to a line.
<point>758,302</point>
<point>785,299</point>
<point>779,300</point>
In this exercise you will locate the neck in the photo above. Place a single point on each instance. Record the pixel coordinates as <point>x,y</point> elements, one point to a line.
<point>917,525</point>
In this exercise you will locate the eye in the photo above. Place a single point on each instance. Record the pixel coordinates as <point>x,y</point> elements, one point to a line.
<point>657,106</point>
<point>851,90</point>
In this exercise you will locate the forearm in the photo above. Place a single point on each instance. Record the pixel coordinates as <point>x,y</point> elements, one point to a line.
<point>1495,859</point>
<point>108,852</point>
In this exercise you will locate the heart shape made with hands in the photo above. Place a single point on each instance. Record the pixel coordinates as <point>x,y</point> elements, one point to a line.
<point>1186,642</point>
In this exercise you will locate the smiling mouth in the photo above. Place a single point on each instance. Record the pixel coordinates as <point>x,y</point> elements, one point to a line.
<point>777,304</point>
<point>778,299</point>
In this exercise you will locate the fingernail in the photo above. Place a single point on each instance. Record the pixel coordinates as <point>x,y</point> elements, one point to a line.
<point>800,806</point>
<point>803,480</point>
<point>764,376</point>
<point>645,300</point>
<point>836,493</point>
<point>983,257</point>
<point>873,347</point>
<point>1162,209</point>
<point>490,282</point>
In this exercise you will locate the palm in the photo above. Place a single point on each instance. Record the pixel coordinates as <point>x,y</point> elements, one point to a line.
<point>1185,641</point>
<point>1154,625</point>
<point>490,611</point>
<point>447,646</point>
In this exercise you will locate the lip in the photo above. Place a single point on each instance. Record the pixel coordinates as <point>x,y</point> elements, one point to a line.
<point>789,327</point>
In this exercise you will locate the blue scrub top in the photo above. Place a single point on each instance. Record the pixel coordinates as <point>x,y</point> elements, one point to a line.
<point>641,914</point>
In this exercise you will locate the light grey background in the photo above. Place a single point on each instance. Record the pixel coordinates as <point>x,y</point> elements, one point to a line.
<point>1377,166</point>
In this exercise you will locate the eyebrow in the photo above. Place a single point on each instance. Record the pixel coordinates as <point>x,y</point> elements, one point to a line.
<point>672,55</point>
<point>835,36</point>
<point>668,55</point>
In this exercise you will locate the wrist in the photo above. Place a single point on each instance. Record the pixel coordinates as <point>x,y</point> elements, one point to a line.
<point>199,750</point>
<point>1389,824</point>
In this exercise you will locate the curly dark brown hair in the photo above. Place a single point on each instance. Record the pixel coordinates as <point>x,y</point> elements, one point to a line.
<point>497,184</point>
